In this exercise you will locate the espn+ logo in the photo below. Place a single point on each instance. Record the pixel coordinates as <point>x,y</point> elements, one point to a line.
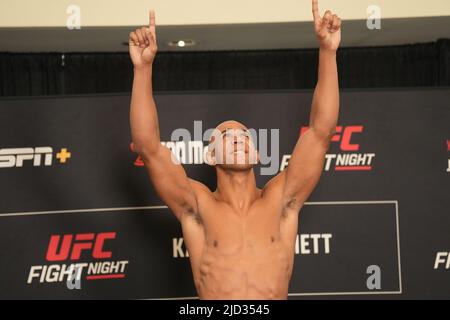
<point>36,157</point>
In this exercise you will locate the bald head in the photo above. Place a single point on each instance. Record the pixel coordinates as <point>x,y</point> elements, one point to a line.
<point>231,144</point>
<point>225,125</point>
<point>231,124</point>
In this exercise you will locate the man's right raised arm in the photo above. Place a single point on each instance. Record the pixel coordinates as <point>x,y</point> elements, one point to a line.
<point>168,178</point>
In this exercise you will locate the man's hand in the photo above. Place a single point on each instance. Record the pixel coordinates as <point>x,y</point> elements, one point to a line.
<point>142,43</point>
<point>328,28</point>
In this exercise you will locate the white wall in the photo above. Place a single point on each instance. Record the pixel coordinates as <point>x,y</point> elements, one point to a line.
<point>52,13</point>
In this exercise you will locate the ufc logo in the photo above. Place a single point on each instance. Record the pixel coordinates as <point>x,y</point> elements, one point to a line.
<point>343,135</point>
<point>10,158</point>
<point>74,248</point>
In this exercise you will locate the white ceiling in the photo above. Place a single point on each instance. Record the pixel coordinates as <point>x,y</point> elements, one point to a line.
<point>224,37</point>
<point>40,25</point>
<point>117,13</point>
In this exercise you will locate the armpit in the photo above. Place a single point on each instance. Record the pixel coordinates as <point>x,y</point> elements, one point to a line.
<point>193,214</point>
<point>292,205</point>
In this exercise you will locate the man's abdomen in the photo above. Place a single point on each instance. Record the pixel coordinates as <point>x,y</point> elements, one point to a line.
<point>244,272</point>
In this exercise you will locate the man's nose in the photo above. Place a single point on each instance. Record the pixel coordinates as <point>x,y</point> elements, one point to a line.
<point>238,141</point>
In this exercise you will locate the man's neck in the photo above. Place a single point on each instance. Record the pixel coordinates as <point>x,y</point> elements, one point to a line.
<point>237,188</point>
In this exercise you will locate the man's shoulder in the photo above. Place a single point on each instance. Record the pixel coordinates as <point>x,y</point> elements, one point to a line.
<point>274,185</point>
<point>199,188</point>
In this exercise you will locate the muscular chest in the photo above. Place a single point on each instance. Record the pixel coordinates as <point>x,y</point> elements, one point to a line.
<point>231,229</point>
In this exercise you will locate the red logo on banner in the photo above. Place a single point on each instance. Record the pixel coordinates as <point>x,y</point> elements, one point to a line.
<point>83,242</point>
<point>448,145</point>
<point>343,135</point>
<point>69,250</point>
<point>350,159</point>
<point>138,162</point>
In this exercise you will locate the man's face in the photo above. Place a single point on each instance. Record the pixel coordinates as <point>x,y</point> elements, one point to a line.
<point>232,146</point>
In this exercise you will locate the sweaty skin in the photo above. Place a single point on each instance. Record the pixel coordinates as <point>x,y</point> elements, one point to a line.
<point>240,238</point>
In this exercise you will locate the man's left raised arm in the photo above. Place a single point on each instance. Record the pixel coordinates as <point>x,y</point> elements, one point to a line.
<point>307,160</point>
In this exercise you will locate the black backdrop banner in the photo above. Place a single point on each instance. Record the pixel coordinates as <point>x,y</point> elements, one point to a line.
<point>414,65</point>
<point>76,200</point>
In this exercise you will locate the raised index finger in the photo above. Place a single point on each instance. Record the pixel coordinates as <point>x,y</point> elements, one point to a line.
<point>315,10</point>
<point>152,24</point>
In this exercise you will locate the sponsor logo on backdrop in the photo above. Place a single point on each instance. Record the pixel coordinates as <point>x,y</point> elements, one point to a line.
<point>442,261</point>
<point>138,162</point>
<point>33,157</point>
<point>350,157</point>
<point>83,256</point>
<point>305,244</point>
<point>448,160</point>
<point>188,152</point>
<point>193,149</point>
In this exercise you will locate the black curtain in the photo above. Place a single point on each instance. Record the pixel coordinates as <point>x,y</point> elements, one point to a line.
<point>417,65</point>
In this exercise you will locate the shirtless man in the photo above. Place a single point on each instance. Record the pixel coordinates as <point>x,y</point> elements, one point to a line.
<point>240,238</point>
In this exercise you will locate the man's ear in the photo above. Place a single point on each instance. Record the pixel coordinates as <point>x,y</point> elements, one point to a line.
<point>209,159</point>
